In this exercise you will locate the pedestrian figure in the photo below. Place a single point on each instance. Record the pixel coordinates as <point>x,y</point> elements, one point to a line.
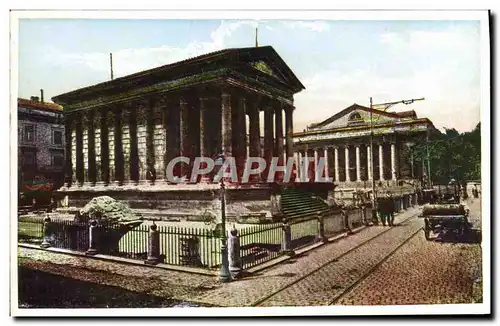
<point>383,211</point>
<point>391,209</point>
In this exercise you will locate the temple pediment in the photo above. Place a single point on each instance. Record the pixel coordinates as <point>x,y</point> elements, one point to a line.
<point>263,67</point>
<point>356,115</point>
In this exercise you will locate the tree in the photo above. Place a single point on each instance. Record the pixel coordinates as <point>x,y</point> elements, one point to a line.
<point>452,155</point>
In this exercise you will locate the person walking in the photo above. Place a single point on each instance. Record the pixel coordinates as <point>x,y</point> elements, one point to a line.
<point>383,210</point>
<point>391,209</point>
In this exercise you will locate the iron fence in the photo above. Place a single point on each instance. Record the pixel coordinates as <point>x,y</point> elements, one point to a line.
<point>196,247</point>
<point>260,243</point>
<point>30,230</point>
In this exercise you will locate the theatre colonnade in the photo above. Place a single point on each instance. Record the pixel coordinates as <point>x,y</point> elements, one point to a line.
<point>350,161</point>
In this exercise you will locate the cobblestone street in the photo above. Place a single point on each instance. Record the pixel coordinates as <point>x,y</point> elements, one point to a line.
<point>377,265</point>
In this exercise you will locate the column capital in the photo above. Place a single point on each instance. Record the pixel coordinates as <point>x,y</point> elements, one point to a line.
<point>288,108</point>
<point>84,117</point>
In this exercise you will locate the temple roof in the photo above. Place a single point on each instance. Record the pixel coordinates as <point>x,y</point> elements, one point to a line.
<point>265,59</point>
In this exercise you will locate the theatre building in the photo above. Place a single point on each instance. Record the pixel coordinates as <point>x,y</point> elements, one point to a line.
<point>121,134</point>
<point>343,140</point>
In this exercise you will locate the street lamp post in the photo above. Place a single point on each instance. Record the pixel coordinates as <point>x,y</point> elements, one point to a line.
<point>224,275</point>
<point>386,106</point>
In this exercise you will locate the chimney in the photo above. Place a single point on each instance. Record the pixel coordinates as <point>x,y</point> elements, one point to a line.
<point>41,95</point>
<point>34,99</point>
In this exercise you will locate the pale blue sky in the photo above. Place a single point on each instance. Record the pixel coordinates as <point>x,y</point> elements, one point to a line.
<point>339,62</point>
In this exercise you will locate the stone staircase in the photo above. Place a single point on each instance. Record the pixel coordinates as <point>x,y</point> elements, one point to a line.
<point>300,204</point>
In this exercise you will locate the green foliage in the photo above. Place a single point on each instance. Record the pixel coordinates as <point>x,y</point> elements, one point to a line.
<point>452,155</point>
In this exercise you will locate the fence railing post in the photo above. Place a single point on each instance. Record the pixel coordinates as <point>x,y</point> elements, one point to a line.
<point>47,233</point>
<point>233,246</point>
<point>321,228</point>
<point>345,217</point>
<point>364,216</point>
<point>154,246</point>
<point>286,244</point>
<point>93,236</point>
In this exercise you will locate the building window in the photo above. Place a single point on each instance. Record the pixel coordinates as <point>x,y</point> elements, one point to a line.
<point>56,137</point>
<point>29,133</point>
<point>57,159</point>
<point>355,117</point>
<point>28,158</point>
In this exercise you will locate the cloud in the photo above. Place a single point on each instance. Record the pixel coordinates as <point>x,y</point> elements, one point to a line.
<point>128,61</point>
<point>314,26</point>
<point>442,66</point>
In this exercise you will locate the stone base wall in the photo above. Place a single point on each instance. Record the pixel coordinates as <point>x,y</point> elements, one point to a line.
<point>177,203</point>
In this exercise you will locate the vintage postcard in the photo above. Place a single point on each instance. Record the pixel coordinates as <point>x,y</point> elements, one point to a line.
<point>272,162</point>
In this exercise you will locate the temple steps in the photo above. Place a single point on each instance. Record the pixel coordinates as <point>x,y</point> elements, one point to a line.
<point>300,204</point>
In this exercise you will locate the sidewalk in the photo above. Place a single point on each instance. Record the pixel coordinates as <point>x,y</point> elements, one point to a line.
<point>199,288</point>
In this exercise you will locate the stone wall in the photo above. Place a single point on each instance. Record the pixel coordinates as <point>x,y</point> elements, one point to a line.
<point>43,141</point>
<point>179,204</point>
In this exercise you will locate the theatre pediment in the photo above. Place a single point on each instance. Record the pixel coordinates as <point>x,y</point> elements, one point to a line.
<point>355,115</point>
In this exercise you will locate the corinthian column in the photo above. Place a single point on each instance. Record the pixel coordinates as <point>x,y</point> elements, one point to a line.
<point>347,174</point>
<point>297,166</point>
<point>326,163</point>
<point>134,150</point>
<point>185,148</point>
<point>91,148</point>
<point>358,164</point>
<point>119,167</point>
<point>381,161</point>
<point>336,163</point>
<point>289,130</point>
<point>79,150</point>
<point>393,161</point>
<point>254,132</point>
<point>315,168</point>
<point>268,138</point>
<point>278,119</point>
<point>226,123</point>
<point>68,169</point>
<point>150,148</point>
<point>104,129</point>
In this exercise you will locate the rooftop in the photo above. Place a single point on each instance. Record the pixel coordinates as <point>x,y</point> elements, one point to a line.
<point>37,104</point>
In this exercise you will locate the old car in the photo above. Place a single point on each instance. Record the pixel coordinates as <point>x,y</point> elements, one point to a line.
<point>445,219</point>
